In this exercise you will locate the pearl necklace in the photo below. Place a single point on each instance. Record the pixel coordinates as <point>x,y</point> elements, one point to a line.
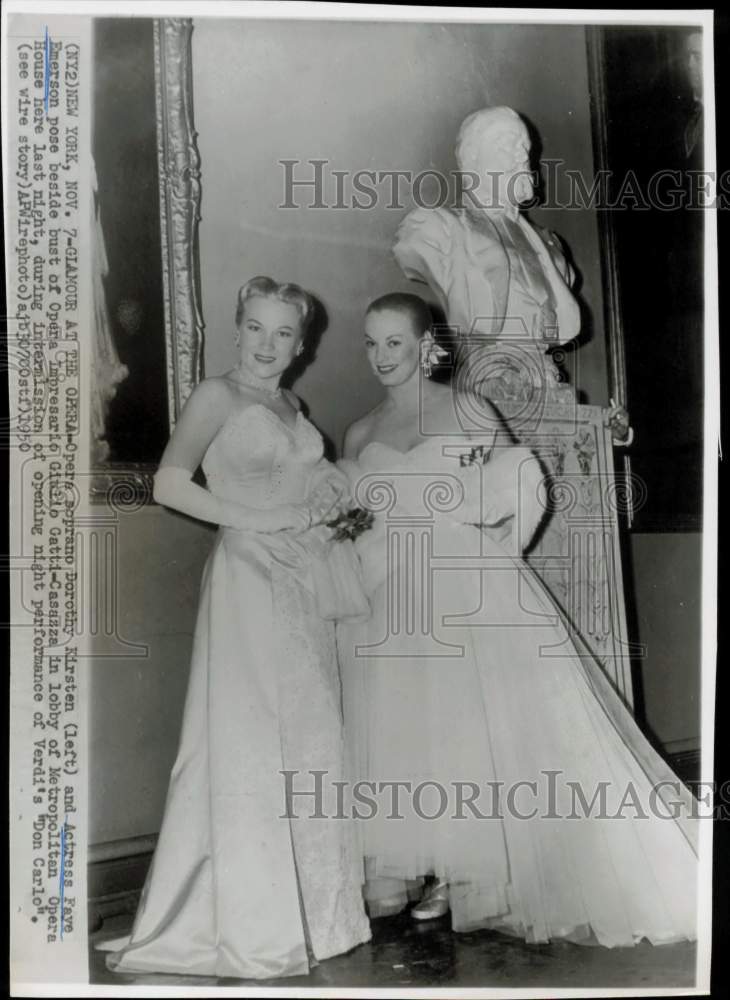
<point>251,382</point>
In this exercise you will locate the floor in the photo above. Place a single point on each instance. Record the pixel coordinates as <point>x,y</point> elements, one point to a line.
<point>404,953</point>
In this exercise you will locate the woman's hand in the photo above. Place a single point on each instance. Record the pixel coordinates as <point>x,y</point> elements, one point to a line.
<point>329,496</point>
<point>327,504</point>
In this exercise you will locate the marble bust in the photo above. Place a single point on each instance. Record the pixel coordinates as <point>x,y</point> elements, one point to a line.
<point>504,283</point>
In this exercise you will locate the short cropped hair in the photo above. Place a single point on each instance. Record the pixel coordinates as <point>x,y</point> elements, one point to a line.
<point>287,292</point>
<point>408,304</point>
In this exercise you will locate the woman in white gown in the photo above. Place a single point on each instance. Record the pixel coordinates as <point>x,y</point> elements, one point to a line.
<point>235,889</point>
<point>460,679</point>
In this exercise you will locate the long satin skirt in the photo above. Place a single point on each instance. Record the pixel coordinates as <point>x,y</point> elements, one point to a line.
<point>237,889</point>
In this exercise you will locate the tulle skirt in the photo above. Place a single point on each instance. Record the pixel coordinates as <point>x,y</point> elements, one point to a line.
<point>487,701</point>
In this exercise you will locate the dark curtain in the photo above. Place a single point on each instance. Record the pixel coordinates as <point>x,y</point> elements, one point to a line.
<point>125,153</point>
<point>652,120</point>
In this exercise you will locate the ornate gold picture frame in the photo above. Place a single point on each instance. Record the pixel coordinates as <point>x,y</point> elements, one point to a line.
<point>178,182</point>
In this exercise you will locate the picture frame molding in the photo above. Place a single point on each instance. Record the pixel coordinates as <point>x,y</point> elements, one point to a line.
<point>179,184</point>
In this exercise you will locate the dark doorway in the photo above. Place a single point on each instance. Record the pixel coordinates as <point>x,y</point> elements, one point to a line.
<point>654,146</point>
<point>124,146</point>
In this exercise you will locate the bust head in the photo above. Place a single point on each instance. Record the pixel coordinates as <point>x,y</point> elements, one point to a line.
<point>495,144</point>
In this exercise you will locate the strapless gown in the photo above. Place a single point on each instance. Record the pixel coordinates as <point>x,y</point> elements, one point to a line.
<point>466,676</point>
<point>234,889</point>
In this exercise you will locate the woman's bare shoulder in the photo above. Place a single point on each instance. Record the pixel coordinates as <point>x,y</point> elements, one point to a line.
<point>216,396</point>
<point>366,421</point>
<point>441,400</point>
<point>225,386</point>
<point>359,431</point>
<point>215,391</point>
<point>291,397</point>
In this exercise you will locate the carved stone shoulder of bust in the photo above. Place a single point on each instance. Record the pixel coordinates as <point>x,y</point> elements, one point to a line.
<point>432,226</point>
<point>432,243</point>
<point>424,246</point>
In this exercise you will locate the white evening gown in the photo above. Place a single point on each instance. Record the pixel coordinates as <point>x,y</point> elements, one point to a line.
<point>235,890</point>
<point>507,701</point>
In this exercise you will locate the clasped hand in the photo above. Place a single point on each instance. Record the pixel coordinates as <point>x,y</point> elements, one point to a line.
<point>329,496</point>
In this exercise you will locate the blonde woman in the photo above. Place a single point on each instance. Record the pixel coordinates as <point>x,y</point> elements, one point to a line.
<point>235,888</point>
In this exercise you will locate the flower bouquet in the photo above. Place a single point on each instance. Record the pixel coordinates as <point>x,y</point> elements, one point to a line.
<point>335,567</point>
<point>350,524</point>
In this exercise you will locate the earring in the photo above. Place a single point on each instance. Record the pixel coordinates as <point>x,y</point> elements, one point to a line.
<point>300,349</point>
<point>431,354</point>
<point>237,338</point>
<point>426,360</point>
